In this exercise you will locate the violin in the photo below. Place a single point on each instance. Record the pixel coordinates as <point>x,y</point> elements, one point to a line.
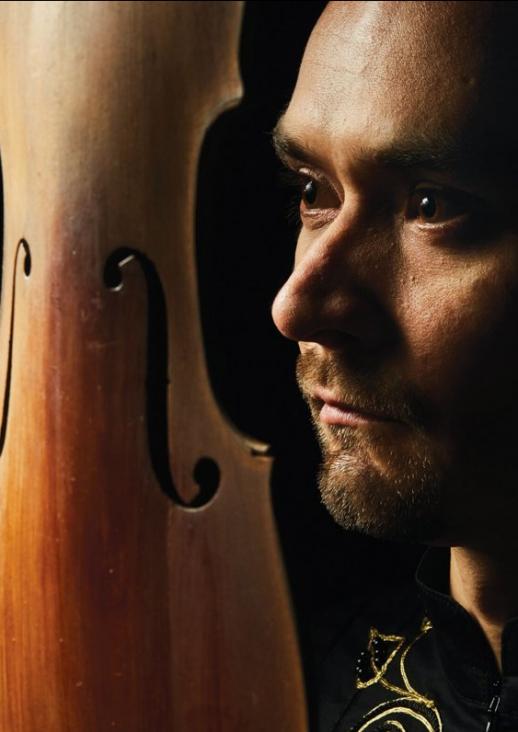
<point>141,581</point>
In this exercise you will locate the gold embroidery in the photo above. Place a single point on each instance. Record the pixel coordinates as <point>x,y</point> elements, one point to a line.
<point>398,710</point>
<point>426,627</point>
<point>406,692</point>
<point>380,672</point>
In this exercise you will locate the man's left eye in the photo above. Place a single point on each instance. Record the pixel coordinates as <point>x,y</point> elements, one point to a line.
<point>436,206</point>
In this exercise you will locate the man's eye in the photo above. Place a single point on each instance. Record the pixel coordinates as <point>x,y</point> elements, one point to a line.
<point>309,192</point>
<point>317,195</point>
<point>435,206</point>
<point>314,194</point>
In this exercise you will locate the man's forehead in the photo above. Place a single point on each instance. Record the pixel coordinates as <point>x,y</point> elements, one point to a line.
<point>350,35</point>
<point>376,73</point>
<point>402,102</point>
<point>372,29</point>
<point>389,55</point>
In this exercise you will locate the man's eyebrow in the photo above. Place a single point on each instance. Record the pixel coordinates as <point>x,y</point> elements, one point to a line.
<point>289,148</point>
<point>486,158</point>
<point>439,154</point>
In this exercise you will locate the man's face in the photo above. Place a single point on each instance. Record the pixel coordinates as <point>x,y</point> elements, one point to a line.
<point>404,293</point>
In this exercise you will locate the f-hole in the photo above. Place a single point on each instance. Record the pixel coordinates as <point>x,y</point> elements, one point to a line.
<point>22,249</point>
<point>1,230</point>
<point>206,471</point>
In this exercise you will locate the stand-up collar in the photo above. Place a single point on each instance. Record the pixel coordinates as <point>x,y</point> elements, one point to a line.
<point>466,657</point>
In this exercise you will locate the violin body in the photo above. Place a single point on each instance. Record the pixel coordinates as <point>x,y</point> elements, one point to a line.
<point>141,582</point>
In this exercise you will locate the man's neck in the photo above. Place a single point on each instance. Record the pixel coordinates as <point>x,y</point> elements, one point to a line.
<point>486,587</point>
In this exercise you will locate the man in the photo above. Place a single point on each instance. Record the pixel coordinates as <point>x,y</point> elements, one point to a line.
<point>404,300</point>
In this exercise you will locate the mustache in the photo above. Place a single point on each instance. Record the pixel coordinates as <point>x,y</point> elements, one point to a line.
<point>365,392</point>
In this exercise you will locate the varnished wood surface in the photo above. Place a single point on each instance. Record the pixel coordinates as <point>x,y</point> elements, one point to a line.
<point>121,606</point>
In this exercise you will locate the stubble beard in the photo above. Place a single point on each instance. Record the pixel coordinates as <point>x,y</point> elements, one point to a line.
<point>396,497</point>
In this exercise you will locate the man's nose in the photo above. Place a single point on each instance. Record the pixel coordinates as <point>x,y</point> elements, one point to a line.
<point>335,294</point>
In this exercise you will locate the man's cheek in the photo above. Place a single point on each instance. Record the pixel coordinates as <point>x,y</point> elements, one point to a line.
<point>462,342</point>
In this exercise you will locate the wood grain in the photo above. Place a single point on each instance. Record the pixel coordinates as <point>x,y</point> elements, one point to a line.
<point>123,607</point>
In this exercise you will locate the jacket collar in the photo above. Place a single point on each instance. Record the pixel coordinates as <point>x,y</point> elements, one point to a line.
<point>465,654</point>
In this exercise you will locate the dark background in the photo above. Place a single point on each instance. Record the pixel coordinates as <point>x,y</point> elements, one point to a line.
<point>245,252</point>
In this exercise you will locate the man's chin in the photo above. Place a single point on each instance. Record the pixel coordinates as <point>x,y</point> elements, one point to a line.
<point>360,498</point>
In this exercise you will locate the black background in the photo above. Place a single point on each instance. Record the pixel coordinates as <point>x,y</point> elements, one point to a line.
<point>245,252</point>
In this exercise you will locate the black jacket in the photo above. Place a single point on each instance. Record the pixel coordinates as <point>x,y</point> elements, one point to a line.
<point>413,660</point>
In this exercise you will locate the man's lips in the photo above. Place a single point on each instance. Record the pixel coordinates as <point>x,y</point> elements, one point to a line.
<point>335,412</point>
